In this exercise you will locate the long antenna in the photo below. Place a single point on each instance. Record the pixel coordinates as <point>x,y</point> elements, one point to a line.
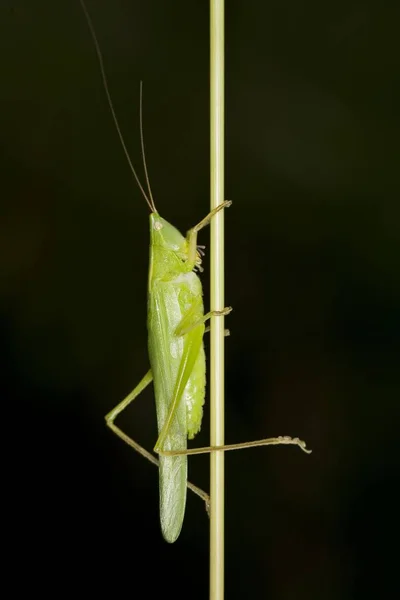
<point>142,146</point>
<point>149,197</point>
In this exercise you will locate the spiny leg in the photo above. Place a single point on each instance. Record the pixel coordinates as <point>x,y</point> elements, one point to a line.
<point>183,328</point>
<point>192,233</point>
<point>210,215</point>
<point>113,414</point>
<point>185,325</point>
<point>282,439</point>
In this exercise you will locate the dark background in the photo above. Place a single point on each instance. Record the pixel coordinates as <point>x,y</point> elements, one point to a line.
<point>312,271</point>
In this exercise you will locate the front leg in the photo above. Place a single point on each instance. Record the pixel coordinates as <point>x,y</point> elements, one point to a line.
<point>192,233</point>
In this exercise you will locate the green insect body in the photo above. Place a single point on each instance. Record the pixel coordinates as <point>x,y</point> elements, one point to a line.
<point>177,360</point>
<point>175,341</point>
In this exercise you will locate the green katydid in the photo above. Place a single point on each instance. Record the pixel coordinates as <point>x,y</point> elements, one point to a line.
<point>176,326</point>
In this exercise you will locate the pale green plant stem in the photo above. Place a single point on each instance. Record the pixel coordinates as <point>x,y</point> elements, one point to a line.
<point>217,299</point>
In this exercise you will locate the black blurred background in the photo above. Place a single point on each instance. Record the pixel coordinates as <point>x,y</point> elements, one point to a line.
<point>312,271</point>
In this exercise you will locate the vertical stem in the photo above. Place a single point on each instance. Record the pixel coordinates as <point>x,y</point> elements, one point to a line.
<point>217,299</point>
